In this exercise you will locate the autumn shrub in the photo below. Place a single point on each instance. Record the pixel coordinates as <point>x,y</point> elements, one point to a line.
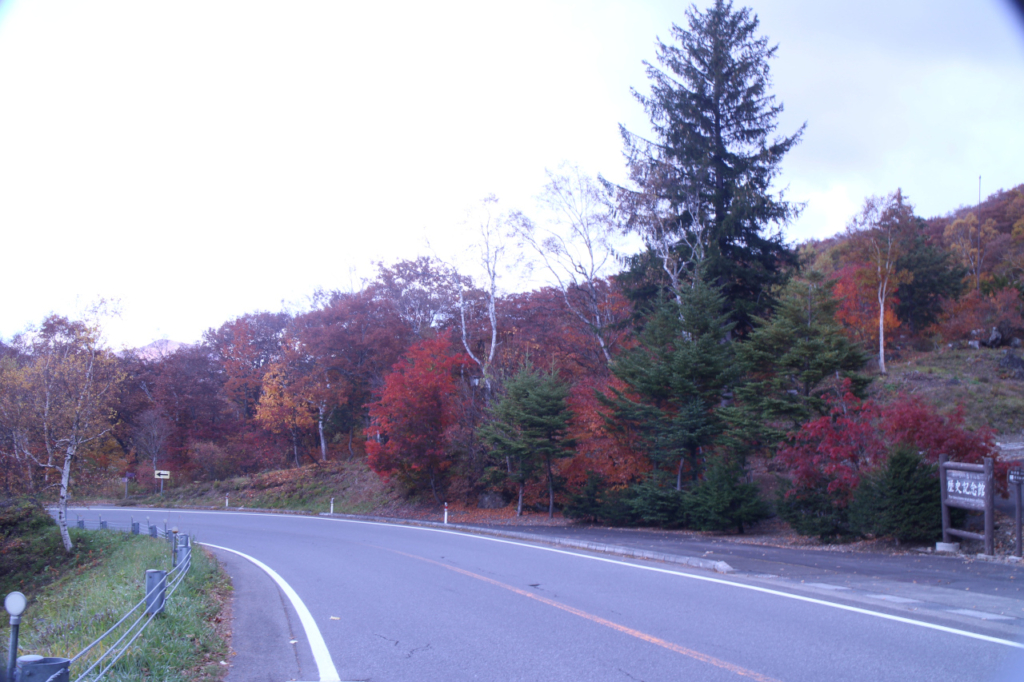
<point>900,499</point>
<point>654,502</point>
<point>911,421</point>
<point>601,503</point>
<point>828,458</point>
<point>212,460</point>
<point>977,311</point>
<point>812,510</point>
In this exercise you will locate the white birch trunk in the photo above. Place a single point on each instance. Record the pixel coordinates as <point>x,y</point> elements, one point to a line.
<point>62,505</point>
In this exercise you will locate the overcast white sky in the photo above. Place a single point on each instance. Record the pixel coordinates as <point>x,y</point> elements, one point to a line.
<point>199,160</point>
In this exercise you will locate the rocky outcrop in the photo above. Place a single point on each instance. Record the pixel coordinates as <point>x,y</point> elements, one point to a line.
<point>1012,362</point>
<point>491,501</point>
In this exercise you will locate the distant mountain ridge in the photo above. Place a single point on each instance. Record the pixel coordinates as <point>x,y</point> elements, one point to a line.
<point>158,349</point>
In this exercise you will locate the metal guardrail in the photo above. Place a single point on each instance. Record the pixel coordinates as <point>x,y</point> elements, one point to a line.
<point>160,586</point>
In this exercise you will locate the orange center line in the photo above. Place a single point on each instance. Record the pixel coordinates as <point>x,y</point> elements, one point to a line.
<point>703,658</point>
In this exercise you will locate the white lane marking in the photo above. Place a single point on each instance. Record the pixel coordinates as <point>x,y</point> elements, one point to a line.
<point>328,673</point>
<point>980,614</point>
<point>653,569</point>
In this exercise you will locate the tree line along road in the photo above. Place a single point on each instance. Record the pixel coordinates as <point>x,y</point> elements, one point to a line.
<point>333,599</point>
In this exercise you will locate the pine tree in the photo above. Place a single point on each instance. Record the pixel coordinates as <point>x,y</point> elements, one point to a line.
<point>704,185</point>
<point>723,501</point>
<point>796,358</point>
<point>678,374</point>
<point>901,499</point>
<point>528,426</point>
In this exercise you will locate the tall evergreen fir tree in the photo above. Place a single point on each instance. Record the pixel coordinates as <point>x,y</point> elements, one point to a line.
<point>678,374</point>
<point>703,186</point>
<point>795,358</point>
<point>529,426</point>
<point>934,277</point>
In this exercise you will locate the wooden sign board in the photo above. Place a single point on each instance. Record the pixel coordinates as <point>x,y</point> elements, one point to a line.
<point>967,486</point>
<point>161,474</point>
<point>965,489</point>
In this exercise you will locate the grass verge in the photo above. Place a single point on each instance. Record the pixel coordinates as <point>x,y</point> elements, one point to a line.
<point>353,486</point>
<point>179,645</point>
<point>947,378</point>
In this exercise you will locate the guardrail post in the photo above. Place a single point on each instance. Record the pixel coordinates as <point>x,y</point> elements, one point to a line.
<point>103,524</point>
<point>81,523</point>
<point>156,590</point>
<point>174,547</point>
<point>34,668</point>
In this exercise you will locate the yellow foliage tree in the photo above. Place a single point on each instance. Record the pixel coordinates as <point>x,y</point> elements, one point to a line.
<point>970,242</point>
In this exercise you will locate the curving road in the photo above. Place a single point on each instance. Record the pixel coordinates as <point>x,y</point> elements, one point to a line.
<point>331,599</point>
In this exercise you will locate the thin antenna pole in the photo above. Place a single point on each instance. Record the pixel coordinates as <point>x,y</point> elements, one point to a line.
<point>979,192</point>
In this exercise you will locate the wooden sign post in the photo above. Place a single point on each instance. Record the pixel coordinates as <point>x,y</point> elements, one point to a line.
<point>968,486</point>
<point>1016,477</point>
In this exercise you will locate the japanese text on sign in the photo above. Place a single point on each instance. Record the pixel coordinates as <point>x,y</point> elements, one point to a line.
<point>965,489</point>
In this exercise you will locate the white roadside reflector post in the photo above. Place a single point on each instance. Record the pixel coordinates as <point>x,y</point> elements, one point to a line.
<point>15,604</point>
<point>332,505</point>
<point>446,513</point>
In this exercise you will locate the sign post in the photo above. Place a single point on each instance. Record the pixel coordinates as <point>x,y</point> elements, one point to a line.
<point>1016,477</point>
<point>161,474</point>
<point>971,487</point>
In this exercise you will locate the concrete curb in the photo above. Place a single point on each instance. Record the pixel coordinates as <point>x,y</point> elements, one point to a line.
<point>619,550</point>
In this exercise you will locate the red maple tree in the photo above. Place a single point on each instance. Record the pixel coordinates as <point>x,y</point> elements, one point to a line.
<point>412,418</point>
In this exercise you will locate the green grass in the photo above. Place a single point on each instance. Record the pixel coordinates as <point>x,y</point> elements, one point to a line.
<point>946,378</point>
<point>180,644</point>
<point>31,552</point>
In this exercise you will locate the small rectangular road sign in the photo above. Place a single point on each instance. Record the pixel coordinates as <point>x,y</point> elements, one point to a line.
<point>161,474</point>
<point>1015,476</point>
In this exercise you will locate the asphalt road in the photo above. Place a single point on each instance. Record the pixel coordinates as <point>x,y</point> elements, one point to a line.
<point>394,602</point>
<point>835,564</point>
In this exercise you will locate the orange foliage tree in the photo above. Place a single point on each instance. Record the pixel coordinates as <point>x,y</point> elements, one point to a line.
<point>599,450</point>
<point>857,311</point>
